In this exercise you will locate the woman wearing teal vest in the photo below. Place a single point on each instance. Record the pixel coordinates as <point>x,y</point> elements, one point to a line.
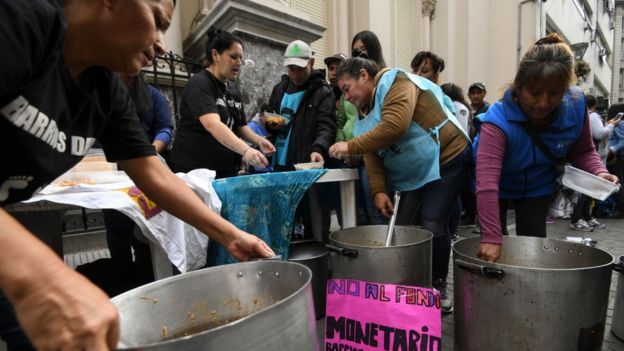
<point>540,121</point>
<point>411,142</point>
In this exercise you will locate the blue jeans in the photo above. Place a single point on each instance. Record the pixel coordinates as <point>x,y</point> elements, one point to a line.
<point>10,330</point>
<point>431,206</point>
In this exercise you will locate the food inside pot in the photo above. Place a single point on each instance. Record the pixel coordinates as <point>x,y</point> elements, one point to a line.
<point>200,328</point>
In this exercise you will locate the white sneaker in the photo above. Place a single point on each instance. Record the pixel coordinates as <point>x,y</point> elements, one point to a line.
<point>595,224</point>
<point>581,226</point>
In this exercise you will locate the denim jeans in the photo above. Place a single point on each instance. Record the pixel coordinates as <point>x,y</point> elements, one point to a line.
<point>432,205</point>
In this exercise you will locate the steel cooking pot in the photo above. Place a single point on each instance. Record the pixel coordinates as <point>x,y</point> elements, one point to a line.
<point>359,253</point>
<point>617,323</point>
<point>315,256</point>
<point>542,294</point>
<point>261,305</point>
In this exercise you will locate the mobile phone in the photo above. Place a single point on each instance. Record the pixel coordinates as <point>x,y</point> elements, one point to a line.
<point>618,117</point>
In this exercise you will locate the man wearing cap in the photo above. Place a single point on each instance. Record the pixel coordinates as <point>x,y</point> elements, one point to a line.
<point>306,101</point>
<point>476,94</point>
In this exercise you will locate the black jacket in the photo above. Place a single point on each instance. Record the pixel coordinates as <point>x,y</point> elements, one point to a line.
<point>314,123</point>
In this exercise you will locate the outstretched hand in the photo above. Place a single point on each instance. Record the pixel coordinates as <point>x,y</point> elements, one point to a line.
<point>266,146</point>
<point>246,246</point>
<point>339,150</point>
<point>255,158</point>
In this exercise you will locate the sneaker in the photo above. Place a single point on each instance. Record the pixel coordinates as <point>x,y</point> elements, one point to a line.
<point>446,301</point>
<point>581,226</point>
<point>595,224</point>
<point>454,238</point>
<point>477,230</point>
<point>550,220</point>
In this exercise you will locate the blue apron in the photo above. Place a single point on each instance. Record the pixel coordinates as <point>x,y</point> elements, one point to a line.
<point>414,160</point>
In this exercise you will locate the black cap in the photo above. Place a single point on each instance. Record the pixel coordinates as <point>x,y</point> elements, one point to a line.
<point>479,86</point>
<point>336,57</point>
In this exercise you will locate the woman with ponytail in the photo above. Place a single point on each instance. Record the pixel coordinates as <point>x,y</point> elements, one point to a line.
<point>212,119</point>
<point>540,123</point>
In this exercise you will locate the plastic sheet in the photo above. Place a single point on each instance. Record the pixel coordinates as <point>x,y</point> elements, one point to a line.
<point>264,205</point>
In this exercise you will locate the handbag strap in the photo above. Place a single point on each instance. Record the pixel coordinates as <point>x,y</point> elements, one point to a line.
<point>558,161</point>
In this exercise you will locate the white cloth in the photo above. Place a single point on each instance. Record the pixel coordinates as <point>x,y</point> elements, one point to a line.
<point>184,245</point>
<point>463,115</point>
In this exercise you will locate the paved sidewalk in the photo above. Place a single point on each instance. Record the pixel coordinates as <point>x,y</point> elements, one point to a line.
<point>610,239</point>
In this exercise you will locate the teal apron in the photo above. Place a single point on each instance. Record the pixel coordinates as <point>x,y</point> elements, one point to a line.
<point>288,107</point>
<point>414,160</point>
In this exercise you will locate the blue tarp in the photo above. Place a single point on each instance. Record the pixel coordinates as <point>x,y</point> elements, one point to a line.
<point>264,205</point>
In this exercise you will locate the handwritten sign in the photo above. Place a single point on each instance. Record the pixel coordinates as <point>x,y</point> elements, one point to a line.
<point>367,316</point>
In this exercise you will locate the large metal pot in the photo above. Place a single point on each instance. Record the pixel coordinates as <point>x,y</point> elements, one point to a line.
<point>542,294</point>
<point>617,323</point>
<point>261,305</point>
<point>315,256</point>
<point>359,253</point>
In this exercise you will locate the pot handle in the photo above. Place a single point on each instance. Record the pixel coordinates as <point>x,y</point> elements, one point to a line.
<point>341,250</point>
<point>619,267</point>
<point>489,272</point>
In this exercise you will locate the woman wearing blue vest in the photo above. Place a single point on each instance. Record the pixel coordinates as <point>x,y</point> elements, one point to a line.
<point>540,121</point>
<point>411,142</point>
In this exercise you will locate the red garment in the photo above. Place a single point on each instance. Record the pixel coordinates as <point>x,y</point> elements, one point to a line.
<point>490,155</point>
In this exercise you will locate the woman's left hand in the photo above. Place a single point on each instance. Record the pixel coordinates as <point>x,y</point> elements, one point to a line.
<point>266,146</point>
<point>339,150</point>
<point>610,177</point>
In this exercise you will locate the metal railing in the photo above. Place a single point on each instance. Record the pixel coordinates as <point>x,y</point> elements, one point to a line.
<point>172,70</point>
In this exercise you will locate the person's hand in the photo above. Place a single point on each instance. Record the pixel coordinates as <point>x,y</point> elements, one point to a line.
<point>384,204</point>
<point>339,150</point>
<point>245,246</point>
<point>489,252</point>
<point>266,146</point>
<point>255,158</point>
<point>64,311</point>
<point>614,122</point>
<point>316,157</point>
<point>609,177</point>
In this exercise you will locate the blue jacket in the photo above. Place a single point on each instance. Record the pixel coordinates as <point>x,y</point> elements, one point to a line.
<point>617,139</point>
<point>157,121</point>
<point>526,171</point>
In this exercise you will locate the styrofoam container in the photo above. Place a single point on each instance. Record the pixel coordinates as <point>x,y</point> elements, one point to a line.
<point>309,165</point>
<point>588,184</point>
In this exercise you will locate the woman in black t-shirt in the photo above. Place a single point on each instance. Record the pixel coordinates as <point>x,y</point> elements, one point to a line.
<point>212,116</point>
<point>58,95</point>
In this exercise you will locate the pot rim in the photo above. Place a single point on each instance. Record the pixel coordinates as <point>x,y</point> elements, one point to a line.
<point>237,322</point>
<point>303,242</point>
<point>333,240</point>
<point>458,254</point>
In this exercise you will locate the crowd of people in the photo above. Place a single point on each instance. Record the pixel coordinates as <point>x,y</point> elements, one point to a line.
<point>454,162</point>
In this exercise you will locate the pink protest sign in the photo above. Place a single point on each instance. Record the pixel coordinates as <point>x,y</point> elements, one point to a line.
<point>366,316</point>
